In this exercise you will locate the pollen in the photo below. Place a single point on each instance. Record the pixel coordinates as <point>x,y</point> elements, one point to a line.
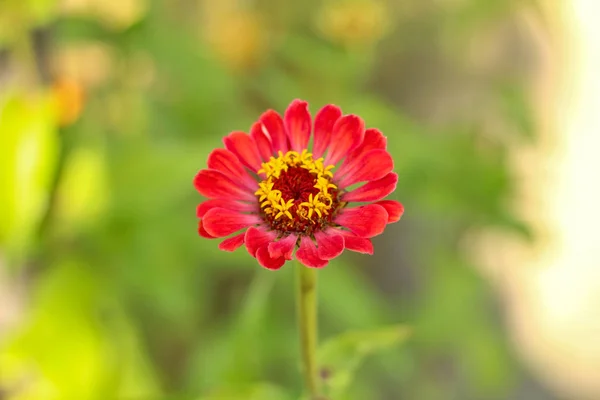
<point>297,194</point>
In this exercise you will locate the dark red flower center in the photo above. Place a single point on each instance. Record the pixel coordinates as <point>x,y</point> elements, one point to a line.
<point>297,196</point>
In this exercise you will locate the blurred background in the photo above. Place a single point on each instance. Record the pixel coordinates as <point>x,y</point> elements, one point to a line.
<point>108,108</point>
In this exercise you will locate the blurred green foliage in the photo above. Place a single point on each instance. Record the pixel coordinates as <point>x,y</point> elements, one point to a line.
<point>29,153</point>
<point>341,356</point>
<point>124,301</point>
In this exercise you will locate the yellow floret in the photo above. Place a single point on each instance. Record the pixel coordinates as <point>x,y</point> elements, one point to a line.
<point>271,200</point>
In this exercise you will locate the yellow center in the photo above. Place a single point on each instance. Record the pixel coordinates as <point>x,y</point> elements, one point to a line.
<point>297,193</point>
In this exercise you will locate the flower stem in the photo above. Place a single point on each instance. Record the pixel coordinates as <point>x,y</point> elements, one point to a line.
<point>307,324</point>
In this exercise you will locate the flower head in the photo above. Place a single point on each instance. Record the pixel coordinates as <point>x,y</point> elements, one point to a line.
<point>286,194</point>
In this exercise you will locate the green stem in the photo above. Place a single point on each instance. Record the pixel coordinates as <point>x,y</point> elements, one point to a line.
<point>307,324</point>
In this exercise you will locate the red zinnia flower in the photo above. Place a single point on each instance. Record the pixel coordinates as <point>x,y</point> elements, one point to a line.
<point>285,196</point>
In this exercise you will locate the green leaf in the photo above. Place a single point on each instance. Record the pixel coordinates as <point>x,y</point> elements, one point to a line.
<point>340,357</point>
<point>28,157</point>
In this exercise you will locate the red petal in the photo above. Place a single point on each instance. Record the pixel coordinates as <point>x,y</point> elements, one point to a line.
<point>357,244</point>
<point>257,238</point>
<point>394,209</point>
<point>283,247</point>
<point>273,124</point>
<point>264,259</point>
<point>307,254</point>
<point>220,222</point>
<point>202,232</point>
<point>329,244</point>
<point>324,122</point>
<point>226,162</point>
<point>240,144</point>
<point>215,185</point>
<point>370,166</point>
<point>374,190</point>
<point>366,221</point>
<point>374,139</point>
<point>348,132</point>
<point>228,204</point>
<point>263,143</point>
<point>298,125</point>
<point>233,243</point>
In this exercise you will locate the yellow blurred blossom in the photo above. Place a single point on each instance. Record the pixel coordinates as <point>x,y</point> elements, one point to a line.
<point>235,34</point>
<point>116,14</point>
<point>88,63</point>
<point>353,22</point>
<point>69,98</point>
